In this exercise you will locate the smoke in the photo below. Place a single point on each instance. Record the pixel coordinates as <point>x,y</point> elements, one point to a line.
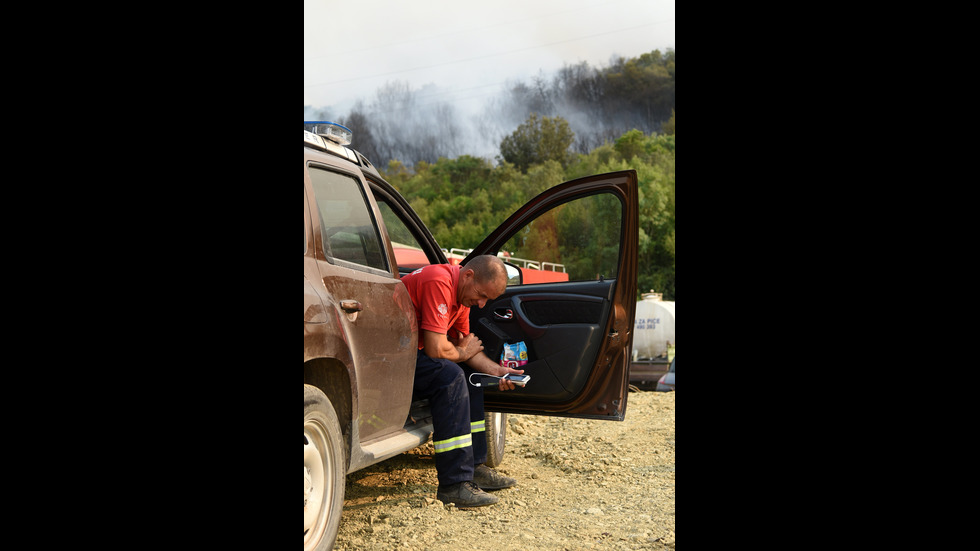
<point>600,104</point>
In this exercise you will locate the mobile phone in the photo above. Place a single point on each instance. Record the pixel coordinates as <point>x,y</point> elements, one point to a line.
<point>519,380</point>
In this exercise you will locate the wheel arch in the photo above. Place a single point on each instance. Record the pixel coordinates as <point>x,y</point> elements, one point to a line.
<point>332,378</point>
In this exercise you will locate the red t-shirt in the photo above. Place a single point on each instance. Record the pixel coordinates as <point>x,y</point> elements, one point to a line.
<point>433,292</point>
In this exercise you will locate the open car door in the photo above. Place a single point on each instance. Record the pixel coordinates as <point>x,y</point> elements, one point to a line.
<point>573,306</point>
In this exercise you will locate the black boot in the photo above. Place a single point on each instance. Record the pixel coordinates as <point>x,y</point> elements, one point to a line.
<point>465,494</point>
<point>489,479</point>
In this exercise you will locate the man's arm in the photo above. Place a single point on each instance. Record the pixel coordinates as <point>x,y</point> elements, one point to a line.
<point>437,345</point>
<point>469,349</point>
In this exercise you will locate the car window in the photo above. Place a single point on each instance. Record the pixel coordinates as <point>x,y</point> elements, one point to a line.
<point>580,238</point>
<point>348,229</point>
<point>409,254</point>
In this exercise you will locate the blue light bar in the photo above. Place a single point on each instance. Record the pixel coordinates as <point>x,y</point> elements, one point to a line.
<point>332,131</point>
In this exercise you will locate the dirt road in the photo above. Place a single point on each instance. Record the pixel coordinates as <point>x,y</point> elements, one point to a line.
<point>581,485</point>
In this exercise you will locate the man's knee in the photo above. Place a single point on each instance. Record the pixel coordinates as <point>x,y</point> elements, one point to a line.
<point>442,374</point>
<point>454,381</point>
<point>450,373</point>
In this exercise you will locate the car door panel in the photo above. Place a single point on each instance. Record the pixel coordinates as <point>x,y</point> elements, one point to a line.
<point>562,332</point>
<point>578,333</point>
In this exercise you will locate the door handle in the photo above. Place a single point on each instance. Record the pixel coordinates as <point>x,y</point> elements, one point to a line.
<point>350,306</point>
<point>503,314</point>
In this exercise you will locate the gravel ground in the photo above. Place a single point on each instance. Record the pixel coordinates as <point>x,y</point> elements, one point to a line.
<point>582,484</point>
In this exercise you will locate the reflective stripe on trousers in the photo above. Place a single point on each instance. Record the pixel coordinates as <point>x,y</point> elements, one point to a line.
<point>476,427</point>
<point>443,446</point>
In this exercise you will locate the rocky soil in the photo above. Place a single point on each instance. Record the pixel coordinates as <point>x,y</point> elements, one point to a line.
<point>582,484</point>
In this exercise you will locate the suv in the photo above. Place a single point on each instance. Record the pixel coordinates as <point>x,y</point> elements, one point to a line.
<point>360,333</point>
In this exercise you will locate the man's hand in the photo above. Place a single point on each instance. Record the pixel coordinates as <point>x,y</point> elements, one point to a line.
<point>504,383</point>
<point>469,345</point>
<point>469,349</point>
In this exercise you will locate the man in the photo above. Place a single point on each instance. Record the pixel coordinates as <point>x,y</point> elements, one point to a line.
<point>443,295</point>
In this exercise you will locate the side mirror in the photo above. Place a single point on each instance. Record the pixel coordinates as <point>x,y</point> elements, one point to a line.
<point>514,275</point>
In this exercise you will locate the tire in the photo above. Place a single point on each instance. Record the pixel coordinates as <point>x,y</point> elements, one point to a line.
<point>324,470</point>
<point>496,430</point>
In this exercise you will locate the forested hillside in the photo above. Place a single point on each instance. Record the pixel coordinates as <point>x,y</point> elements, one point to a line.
<point>463,199</point>
<point>582,122</point>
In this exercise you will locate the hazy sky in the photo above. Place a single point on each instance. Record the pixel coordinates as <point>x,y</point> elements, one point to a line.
<point>467,49</point>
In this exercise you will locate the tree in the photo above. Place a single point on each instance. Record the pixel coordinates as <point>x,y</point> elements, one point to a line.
<point>360,126</point>
<point>538,140</point>
<point>630,144</point>
<point>669,125</point>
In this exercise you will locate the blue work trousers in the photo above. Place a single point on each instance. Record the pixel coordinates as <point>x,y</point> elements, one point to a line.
<point>458,430</point>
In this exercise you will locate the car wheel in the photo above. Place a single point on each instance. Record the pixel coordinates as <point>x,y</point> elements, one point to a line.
<point>496,430</point>
<point>323,471</point>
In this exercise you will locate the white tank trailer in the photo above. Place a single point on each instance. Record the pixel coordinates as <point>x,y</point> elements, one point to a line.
<point>654,328</point>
